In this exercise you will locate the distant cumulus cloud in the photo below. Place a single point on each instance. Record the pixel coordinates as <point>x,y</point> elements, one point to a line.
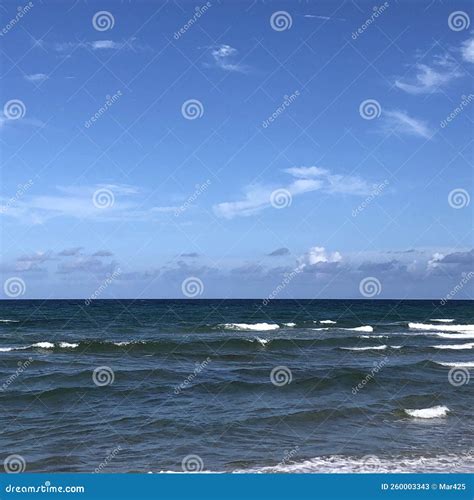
<point>224,57</point>
<point>467,50</point>
<point>36,77</point>
<point>70,252</point>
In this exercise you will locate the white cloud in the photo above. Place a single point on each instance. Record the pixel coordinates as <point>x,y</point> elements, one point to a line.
<point>305,179</point>
<point>402,122</point>
<point>318,255</point>
<point>430,78</point>
<point>467,50</point>
<point>36,77</point>
<point>223,56</point>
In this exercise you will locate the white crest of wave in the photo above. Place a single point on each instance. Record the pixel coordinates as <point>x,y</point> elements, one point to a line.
<point>262,341</point>
<point>68,345</point>
<point>453,336</point>
<point>328,322</point>
<point>9,321</point>
<point>433,412</point>
<point>365,328</point>
<point>454,346</point>
<point>373,348</point>
<point>289,324</point>
<point>43,345</point>
<point>258,327</point>
<point>443,320</point>
<point>441,328</point>
<point>373,336</point>
<point>459,364</point>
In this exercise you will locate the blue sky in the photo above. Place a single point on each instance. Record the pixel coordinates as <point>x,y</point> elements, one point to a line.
<point>290,149</point>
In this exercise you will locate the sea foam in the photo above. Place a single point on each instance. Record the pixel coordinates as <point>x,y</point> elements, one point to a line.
<point>433,412</point>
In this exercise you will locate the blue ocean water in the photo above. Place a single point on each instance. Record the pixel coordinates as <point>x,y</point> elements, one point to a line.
<point>236,385</point>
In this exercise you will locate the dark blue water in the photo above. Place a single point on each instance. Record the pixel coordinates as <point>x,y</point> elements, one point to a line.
<point>235,385</point>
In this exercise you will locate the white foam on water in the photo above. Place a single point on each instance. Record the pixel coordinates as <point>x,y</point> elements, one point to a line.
<point>459,364</point>
<point>374,348</point>
<point>262,341</point>
<point>365,328</point>
<point>443,320</point>
<point>373,336</point>
<point>43,345</point>
<point>67,345</point>
<point>396,346</point>
<point>258,327</point>
<point>441,328</point>
<point>372,464</point>
<point>289,324</point>
<point>328,322</point>
<point>9,321</point>
<point>433,412</point>
<point>454,346</point>
<point>465,336</point>
<point>7,349</point>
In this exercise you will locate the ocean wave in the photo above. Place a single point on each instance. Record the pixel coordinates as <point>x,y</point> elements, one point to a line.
<point>9,321</point>
<point>328,322</point>
<point>262,341</point>
<point>258,327</point>
<point>289,324</point>
<point>461,462</point>
<point>371,348</point>
<point>460,364</point>
<point>441,328</point>
<point>366,328</point>
<point>443,320</point>
<point>454,346</point>
<point>373,336</point>
<point>453,336</point>
<point>433,412</point>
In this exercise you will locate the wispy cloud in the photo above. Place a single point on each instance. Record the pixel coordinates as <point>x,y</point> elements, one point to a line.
<point>401,122</point>
<point>430,78</point>
<point>67,47</point>
<point>304,180</point>
<point>224,58</point>
<point>36,77</point>
<point>467,50</point>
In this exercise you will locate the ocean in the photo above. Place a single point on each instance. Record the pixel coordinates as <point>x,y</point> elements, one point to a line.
<point>237,386</point>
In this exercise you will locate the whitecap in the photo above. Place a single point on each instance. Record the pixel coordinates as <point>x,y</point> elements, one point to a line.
<point>453,336</point>
<point>9,321</point>
<point>43,345</point>
<point>460,364</point>
<point>454,346</point>
<point>262,341</point>
<point>289,324</point>
<point>433,412</point>
<point>441,328</point>
<point>67,345</point>
<point>443,320</point>
<point>259,327</point>
<point>396,346</point>
<point>373,336</point>
<point>328,322</point>
<point>366,328</point>
<point>373,348</point>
